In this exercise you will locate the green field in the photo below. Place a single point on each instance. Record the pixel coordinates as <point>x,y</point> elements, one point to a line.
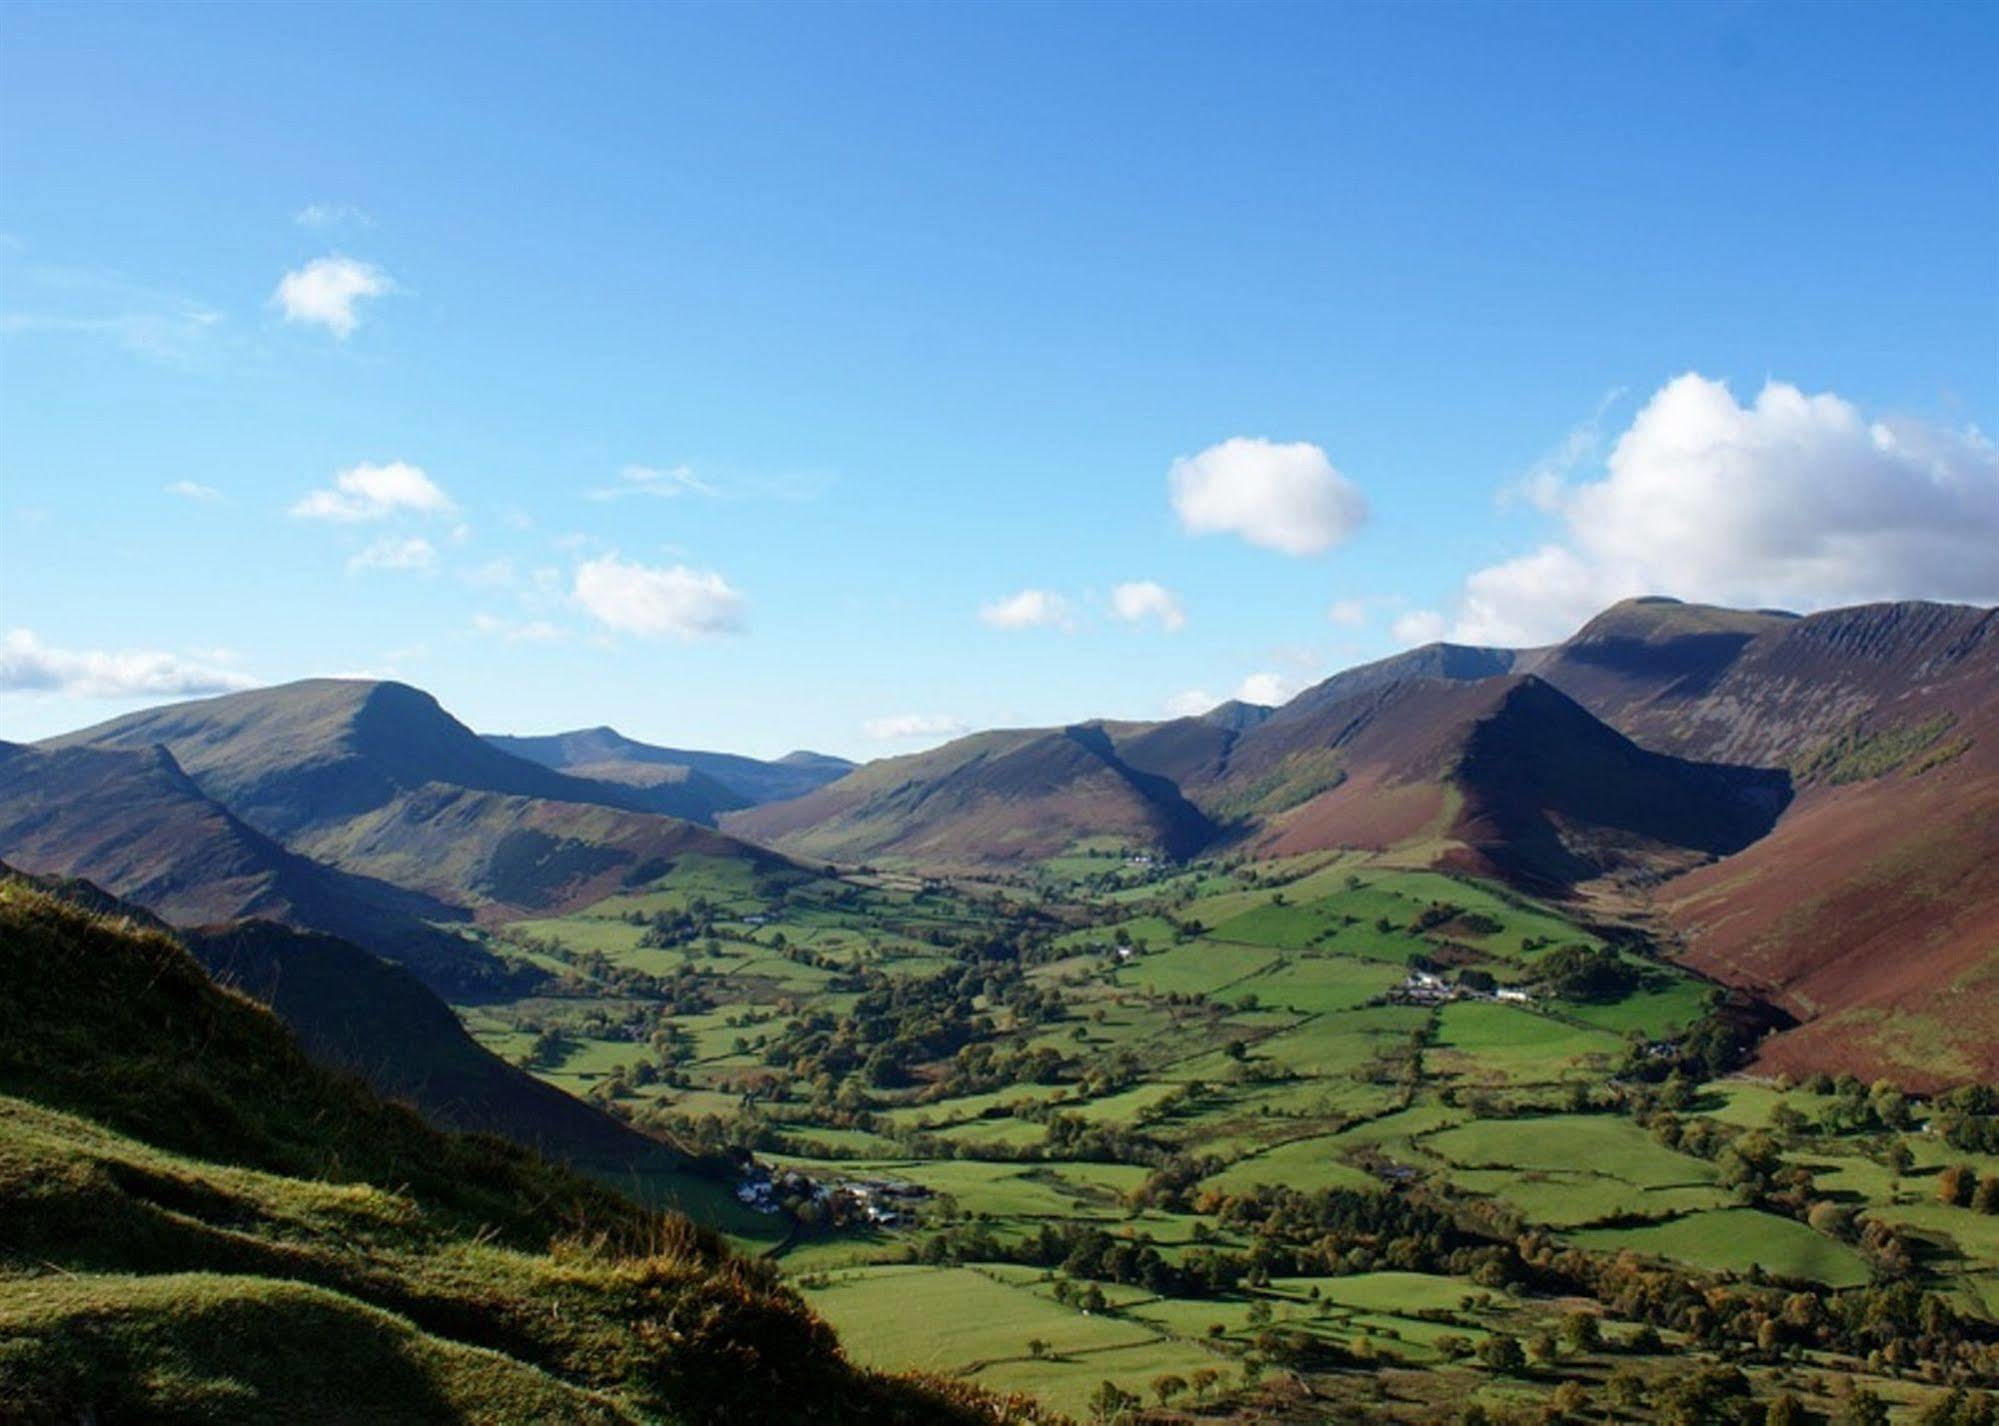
<point>1154,1049</point>
<point>1734,1240</point>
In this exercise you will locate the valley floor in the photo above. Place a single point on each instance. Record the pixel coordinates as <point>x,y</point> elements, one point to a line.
<point>1225,1134</point>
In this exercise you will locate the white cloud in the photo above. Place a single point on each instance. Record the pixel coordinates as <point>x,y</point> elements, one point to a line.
<point>1419,626</point>
<point>1029,609</point>
<point>1347,613</point>
<point>395,552</point>
<point>652,480</point>
<point>325,290</point>
<point>1268,689</point>
<point>29,666</point>
<point>1191,704</point>
<point>640,599</point>
<point>1281,497</point>
<point>1143,599</point>
<point>516,631</point>
<point>906,726</point>
<point>374,492</point>
<point>329,215</point>
<point>195,490</point>
<point>1794,500</point>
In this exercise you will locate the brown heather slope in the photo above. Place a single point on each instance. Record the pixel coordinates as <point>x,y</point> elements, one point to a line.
<point>1871,911</point>
<point>378,780</point>
<point>1871,908</point>
<point>1508,775</point>
<point>1871,914</point>
<point>993,798</point>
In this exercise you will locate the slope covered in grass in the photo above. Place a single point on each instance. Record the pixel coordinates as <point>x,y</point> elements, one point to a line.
<point>196,1223</point>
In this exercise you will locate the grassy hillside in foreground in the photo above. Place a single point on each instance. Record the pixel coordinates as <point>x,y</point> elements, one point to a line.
<point>196,1224</point>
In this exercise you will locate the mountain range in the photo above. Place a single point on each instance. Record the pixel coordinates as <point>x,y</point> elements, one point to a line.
<point>1804,806</point>
<point>1810,803</point>
<point>705,784</point>
<point>377,781</point>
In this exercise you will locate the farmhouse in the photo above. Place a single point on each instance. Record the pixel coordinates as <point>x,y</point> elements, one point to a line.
<point>1424,988</point>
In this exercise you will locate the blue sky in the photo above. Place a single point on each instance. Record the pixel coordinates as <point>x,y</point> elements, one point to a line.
<point>878,317</point>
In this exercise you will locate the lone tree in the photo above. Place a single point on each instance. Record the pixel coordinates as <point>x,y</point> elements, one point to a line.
<point>1582,1331</point>
<point>1501,1353</point>
<point>1111,1403</point>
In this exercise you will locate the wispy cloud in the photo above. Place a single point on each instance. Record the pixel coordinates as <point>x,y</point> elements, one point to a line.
<point>194,490</point>
<point>77,302</point>
<point>332,215</point>
<point>519,631</point>
<point>1143,599</point>
<point>396,552</point>
<point>1419,626</point>
<point>1028,609</point>
<point>1544,483</point>
<point>904,727</point>
<point>27,665</point>
<point>663,482</point>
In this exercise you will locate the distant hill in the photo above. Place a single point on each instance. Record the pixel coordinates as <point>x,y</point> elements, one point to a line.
<point>202,1225</point>
<point>133,823</point>
<point>1514,779</point>
<point>730,781</point>
<point>299,755</point>
<point>993,797</point>
<point>377,780</point>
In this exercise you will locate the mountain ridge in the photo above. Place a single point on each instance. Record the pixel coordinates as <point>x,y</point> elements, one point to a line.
<point>376,779</point>
<point>739,781</point>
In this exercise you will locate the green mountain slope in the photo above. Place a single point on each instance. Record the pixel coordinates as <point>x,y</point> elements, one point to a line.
<point>198,1224</point>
